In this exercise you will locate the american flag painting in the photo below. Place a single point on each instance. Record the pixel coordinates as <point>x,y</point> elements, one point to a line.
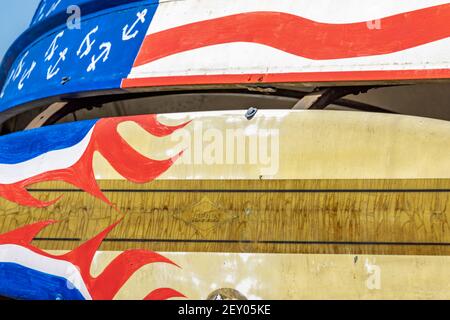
<point>203,41</point>
<point>199,42</point>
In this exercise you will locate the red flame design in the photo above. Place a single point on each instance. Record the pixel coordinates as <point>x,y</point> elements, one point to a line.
<point>115,275</point>
<point>303,37</point>
<point>107,141</point>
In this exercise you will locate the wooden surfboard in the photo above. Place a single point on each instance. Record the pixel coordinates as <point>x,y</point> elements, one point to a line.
<point>288,182</point>
<point>295,185</point>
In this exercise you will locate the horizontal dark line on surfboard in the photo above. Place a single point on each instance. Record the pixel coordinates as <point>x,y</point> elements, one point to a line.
<point>259,242</point>
<point>254,190</point>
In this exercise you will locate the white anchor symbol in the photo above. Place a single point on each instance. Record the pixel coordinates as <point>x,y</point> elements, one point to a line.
<point>53,8</point>
<point>126,34</point>
<point>53,47</point>
<point>16,72</point>
<point>106,46</point>
<point>88,43</point>
<point>53,70</point>
<point>26,75</point>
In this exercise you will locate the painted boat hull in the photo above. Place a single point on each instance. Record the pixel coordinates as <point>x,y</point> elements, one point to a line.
<point>192,44</point>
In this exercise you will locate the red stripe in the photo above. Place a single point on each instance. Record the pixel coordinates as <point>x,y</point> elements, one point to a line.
<point>303,37</point>
<point>390,75</point>
<point>164,294</point>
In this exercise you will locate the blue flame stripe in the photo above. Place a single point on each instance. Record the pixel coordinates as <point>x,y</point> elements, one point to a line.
<point>26,145</point>
<point>22,283</point>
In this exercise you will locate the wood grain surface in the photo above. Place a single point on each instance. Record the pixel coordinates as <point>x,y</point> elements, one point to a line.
<point>267,216</point>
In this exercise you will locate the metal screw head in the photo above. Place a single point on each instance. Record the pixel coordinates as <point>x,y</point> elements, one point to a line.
<point>64,80</point>
<point>251,113</point>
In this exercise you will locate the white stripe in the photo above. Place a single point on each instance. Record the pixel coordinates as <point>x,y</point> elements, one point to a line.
<point>10,253</point>
<point>250,58</point>
<point>53,160</point>
<point>172,14</point>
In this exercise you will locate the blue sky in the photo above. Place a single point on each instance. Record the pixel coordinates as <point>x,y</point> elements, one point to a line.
<point>15,17</point>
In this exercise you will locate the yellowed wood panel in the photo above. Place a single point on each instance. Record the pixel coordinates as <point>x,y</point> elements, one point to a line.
<point>292,276</point>
<point>295,145</point>
<point>275,216</point>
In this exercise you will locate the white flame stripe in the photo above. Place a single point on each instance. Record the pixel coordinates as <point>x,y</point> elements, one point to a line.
<point>52,160</point>
<point>10,253</point>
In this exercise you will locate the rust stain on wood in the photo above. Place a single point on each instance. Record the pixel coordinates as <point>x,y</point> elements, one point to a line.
<point>273,216</point>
